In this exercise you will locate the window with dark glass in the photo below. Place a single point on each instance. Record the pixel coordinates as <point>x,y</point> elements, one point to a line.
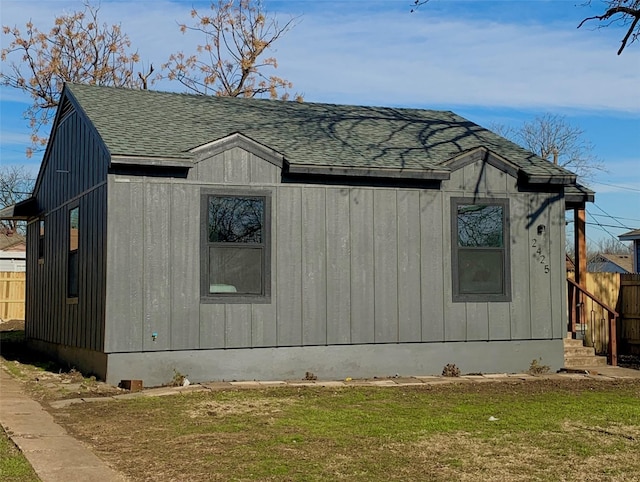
<point>236,246</point>
<point>41,240</point>
<point>480,250</point>
<point>72,258</point>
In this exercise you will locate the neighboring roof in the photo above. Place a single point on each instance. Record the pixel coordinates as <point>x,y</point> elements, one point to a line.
<point>148,124</point>
<point>630,236</point>
<point>12,242</point>
<point>623,261</point>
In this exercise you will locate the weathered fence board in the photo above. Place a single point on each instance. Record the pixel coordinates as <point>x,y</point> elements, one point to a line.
<point>622,292</point>
<point>629,309</point>
<point>12,295</point>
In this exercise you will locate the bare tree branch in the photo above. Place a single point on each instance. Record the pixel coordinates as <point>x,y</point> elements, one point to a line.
<point>624,12</point>
<point>231,60</point>
<point>78,48</point>
<point>553,138</point>
<point>16,184</point>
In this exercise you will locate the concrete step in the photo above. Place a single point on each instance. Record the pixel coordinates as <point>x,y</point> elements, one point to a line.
<point>571,342</point>
<point>570,351</point>
<point>576,355</point>
<point>585,361</point>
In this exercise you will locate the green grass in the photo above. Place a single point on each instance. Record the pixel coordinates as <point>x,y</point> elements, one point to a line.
<point>13,465</point>
<point>369,434</point>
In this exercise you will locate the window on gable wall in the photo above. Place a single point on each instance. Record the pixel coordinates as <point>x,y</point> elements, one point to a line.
<point>235,263</point>
<point>72,258</point>
<point>480,249</point>
<point>41,241</point>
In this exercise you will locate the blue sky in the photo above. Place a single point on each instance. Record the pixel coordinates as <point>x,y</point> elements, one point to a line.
<point>490,61</point>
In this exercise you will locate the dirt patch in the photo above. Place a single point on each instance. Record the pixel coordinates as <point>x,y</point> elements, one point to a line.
<point>45,379</point>
<point>216,408</point>
<point>12,325</point>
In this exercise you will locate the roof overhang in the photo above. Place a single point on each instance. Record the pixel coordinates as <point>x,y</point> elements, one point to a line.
<point>119,160</point>
<point>630,236</point>
<point>577,195</point>
<point>22,211</point>
<point>563,179</point>
<point>381,172</point>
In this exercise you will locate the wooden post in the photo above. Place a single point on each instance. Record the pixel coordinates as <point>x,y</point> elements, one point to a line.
<point>613,341</point>
<point>580,240</point>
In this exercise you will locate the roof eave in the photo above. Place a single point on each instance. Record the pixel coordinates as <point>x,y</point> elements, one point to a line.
<point>119,160</point>
<point>22,211</point>
<point>380,172</point>
<point>563,179</point>
<point>630,236</point>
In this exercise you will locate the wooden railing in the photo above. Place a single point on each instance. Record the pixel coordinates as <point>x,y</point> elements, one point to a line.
<point>576,313</point>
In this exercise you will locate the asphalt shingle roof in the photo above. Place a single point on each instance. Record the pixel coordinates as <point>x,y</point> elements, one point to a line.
<point>161,124</point>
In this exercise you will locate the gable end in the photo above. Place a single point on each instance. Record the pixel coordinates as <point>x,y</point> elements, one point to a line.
<point>237,140</point>
<point>485,155</point>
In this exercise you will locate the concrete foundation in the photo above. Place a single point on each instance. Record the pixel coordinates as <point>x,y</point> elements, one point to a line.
<point>333,362</point>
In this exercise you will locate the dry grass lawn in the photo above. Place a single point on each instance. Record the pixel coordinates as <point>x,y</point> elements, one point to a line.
<point>541,430</point>
<point>546,430</point>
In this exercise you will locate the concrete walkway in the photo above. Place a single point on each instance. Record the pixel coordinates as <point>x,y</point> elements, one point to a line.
<point>53,454</point>
<point>58,457</point>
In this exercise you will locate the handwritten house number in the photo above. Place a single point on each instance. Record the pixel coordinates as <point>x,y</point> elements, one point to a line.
<point>542,257</point>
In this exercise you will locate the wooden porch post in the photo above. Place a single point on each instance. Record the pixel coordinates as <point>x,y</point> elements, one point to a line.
<point>580,240</point>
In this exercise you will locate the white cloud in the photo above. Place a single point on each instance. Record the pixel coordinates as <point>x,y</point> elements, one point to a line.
<point>406,60</point>
<point>344,53</point>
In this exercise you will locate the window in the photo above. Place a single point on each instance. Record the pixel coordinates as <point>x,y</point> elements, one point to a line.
<point>236,261</point>
<point>480,250</point>
<point>72,258</point>
<point>41,241</point>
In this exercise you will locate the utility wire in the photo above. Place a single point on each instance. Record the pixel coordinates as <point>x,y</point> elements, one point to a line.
<point>608,226</point>
<point>607,214</point>
<point>633,189</point>
<point>615,217</point>
<point>602,227</point>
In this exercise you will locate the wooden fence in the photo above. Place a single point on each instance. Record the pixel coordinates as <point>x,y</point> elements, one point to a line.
<point>629,308</point>
<point>594,326</point>
<point>12,295</point>
<point>622,292</point>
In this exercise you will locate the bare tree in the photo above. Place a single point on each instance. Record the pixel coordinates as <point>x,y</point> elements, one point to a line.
<point>613,246</point>
<point>553,138</point>
<point>231,61</point>
<point>622,13</point>
<point>78,48</point>
<point>16,184</point>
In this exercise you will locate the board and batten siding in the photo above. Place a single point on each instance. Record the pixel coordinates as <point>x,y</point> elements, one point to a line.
<point>349,265</point>
<point>74,174</point>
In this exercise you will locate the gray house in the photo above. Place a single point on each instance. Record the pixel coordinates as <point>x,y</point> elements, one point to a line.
<point>234,238</point>
<point>634,237</point>
<point>610,263</point>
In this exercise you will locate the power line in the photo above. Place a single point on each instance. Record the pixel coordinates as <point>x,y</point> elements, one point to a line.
<point>617,186</point>
<point>606,213</point>
<point>602,227</point>
<point>616,217</point>
<point>609,226</point>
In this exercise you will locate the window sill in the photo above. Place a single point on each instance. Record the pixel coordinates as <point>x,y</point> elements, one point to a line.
<point>457,298</point>
<point>72,301</point>
<point>234,299</point>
